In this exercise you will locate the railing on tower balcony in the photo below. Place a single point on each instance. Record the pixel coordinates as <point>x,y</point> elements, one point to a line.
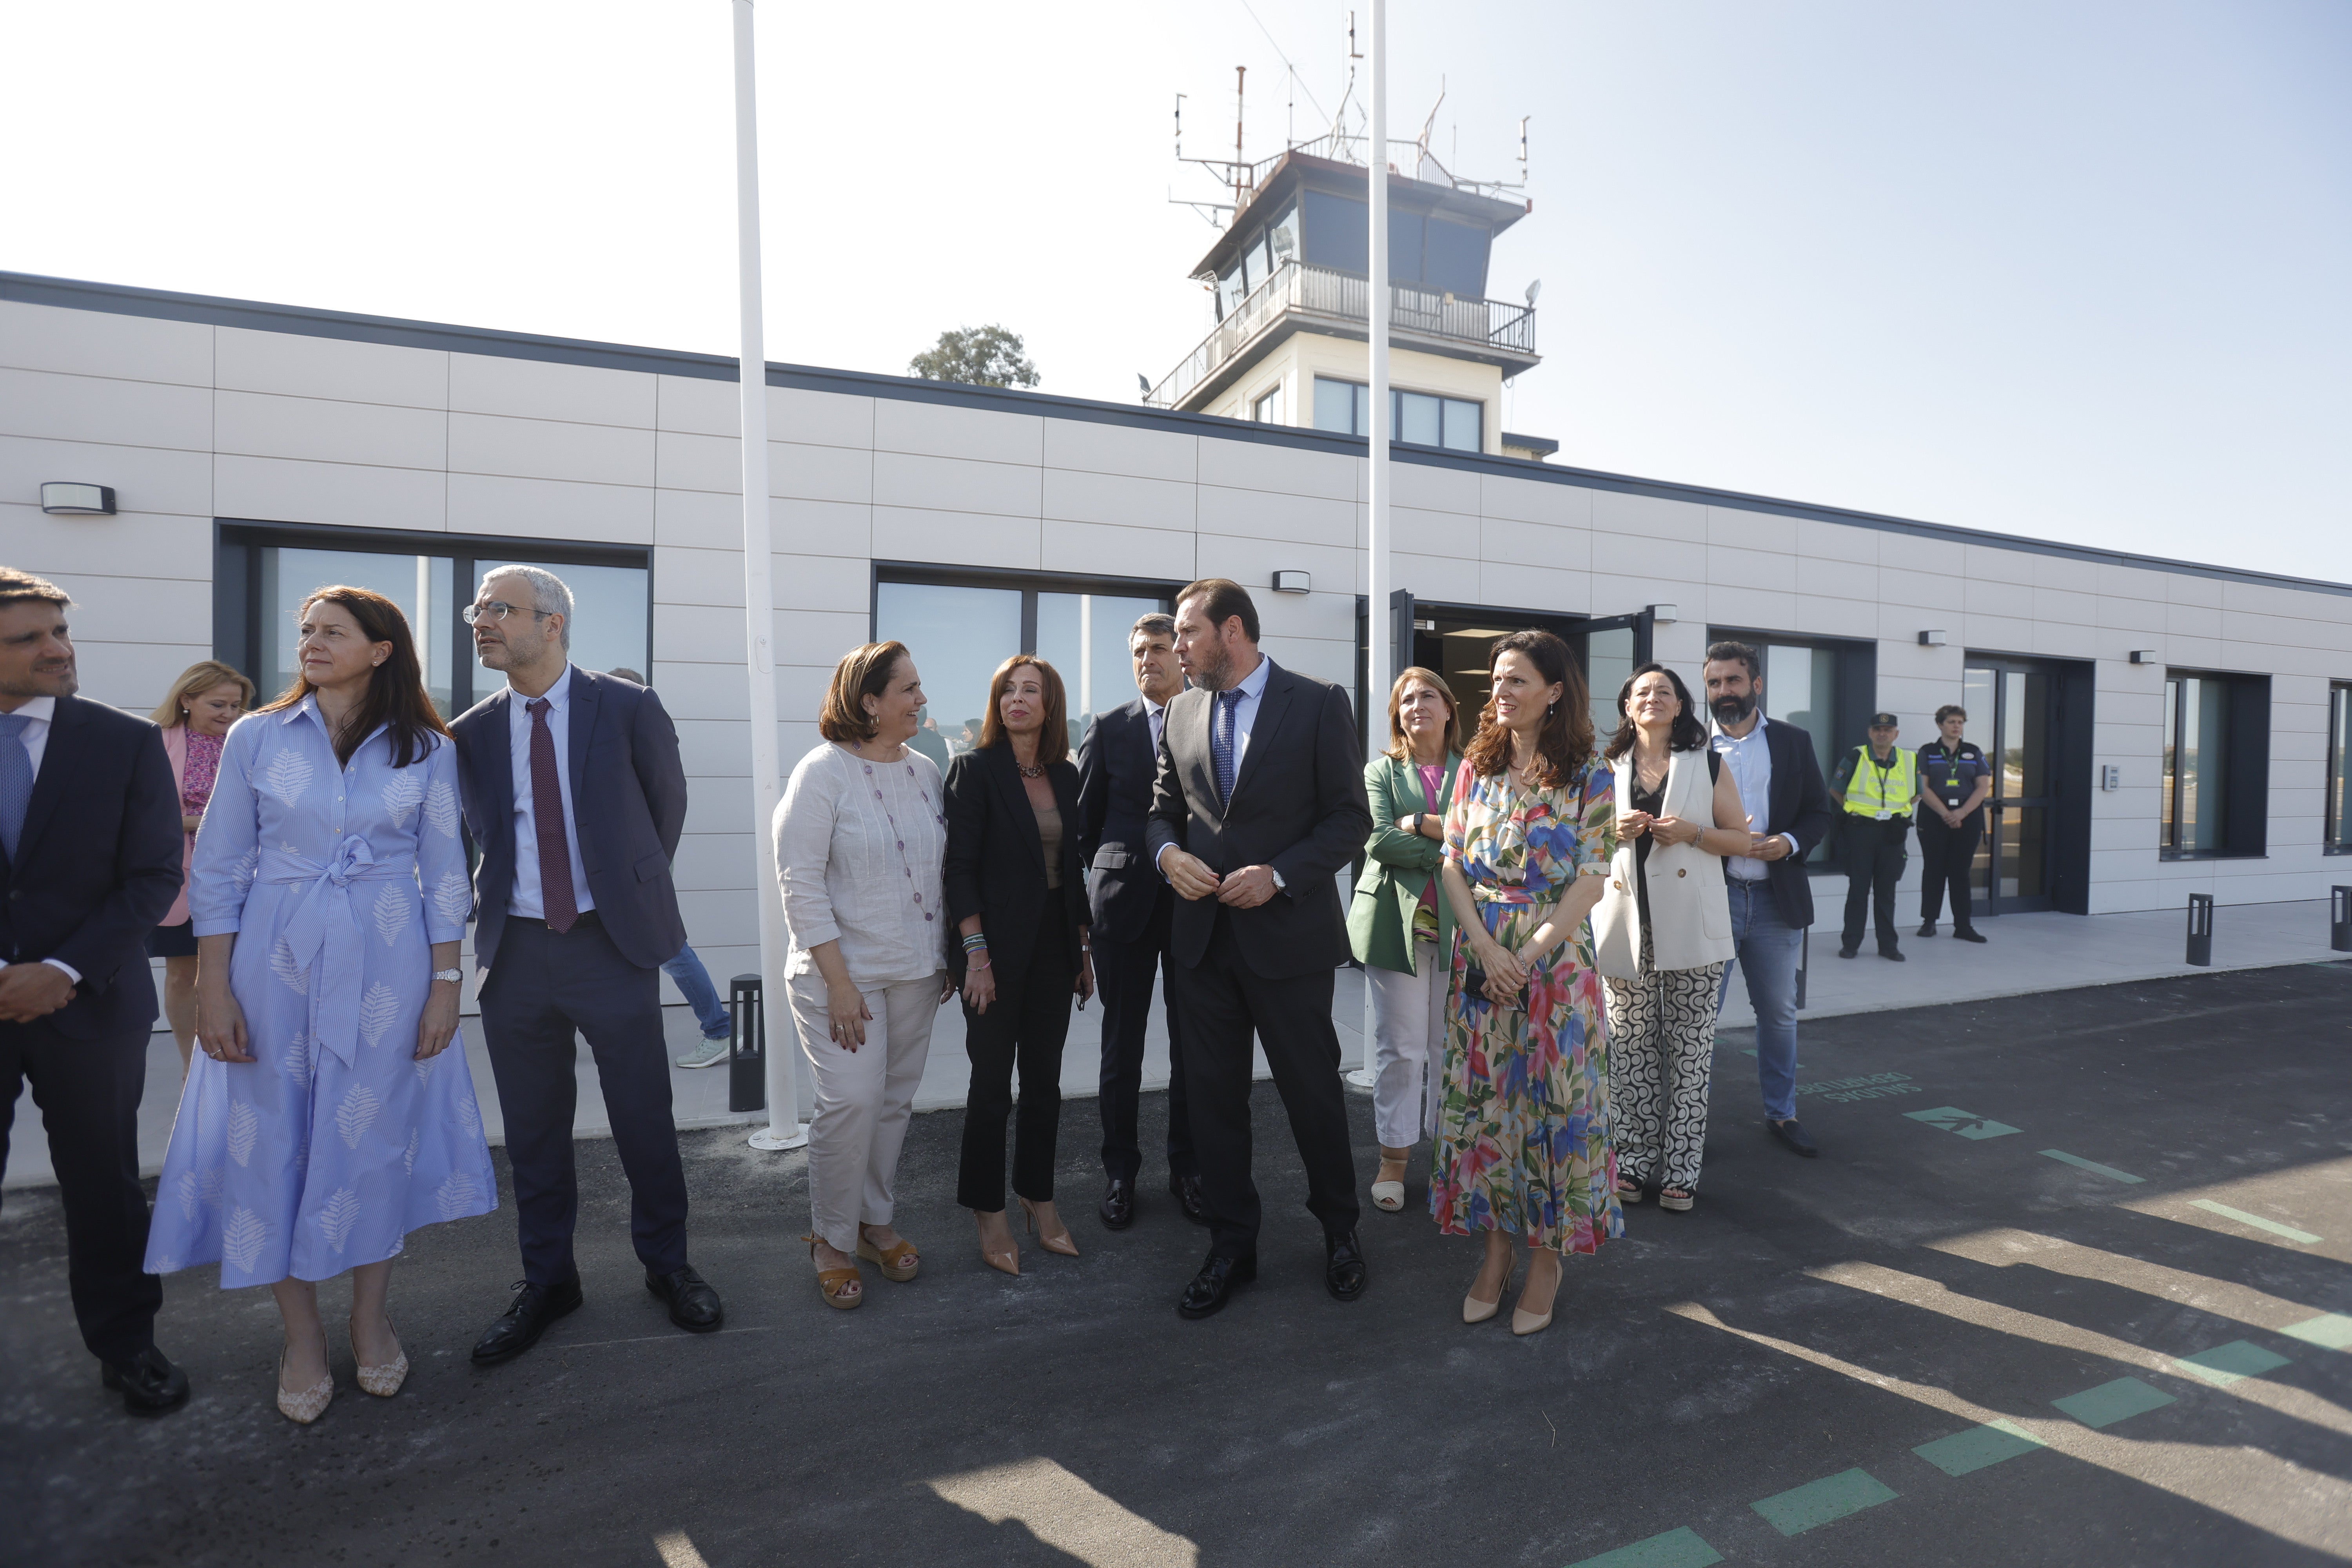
<point>1339,297</point>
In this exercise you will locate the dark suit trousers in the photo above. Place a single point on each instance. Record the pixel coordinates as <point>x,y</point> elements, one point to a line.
<point>1948,855</point>
<point>1024,1026</point>
<point>1224,1002</point>
<point>88,1092</point>
<point>1123,974</point>
<point>1874,864</point>
<point>542,988</point>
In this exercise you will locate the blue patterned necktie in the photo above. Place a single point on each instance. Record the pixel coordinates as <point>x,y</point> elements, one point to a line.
<point>1220,743</point>
<point>15,780</point>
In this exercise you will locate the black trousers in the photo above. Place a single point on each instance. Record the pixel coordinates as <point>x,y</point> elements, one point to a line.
<point>1225,1003</point>
<point>1874,864</point>
<point>1023,1027</point>
<point>1123,975</point>
<point>88,1092</point>
<point>542,989</point>
<point>1946,857</point>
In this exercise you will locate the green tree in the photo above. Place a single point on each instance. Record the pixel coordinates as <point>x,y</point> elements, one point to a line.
<point>977,356</point>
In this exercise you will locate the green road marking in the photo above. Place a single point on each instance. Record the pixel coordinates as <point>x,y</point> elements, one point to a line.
<point>1967,1124</point>
<point>2233,1362</point>
<point>2092,1166</point>
<point>2329,1330</point>
<point>2113,1402</point>
<point>2257,1221</point>
<point>1675,1549</point>
<point>1819,1502</point>
<point>1978,1447</point>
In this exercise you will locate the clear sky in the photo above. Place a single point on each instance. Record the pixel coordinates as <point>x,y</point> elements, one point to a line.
<point>2074,270</point>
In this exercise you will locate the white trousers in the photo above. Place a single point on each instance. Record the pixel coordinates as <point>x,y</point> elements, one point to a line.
<point>863,1100</point>
<point>1408,1041</point>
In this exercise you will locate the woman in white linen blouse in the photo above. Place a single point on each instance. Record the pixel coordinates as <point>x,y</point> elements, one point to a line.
<point>859,838</point>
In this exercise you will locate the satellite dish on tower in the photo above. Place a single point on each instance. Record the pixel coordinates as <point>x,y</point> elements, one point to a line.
<point>1533,288</point>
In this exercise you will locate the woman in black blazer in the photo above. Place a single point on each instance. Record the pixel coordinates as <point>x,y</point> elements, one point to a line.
<point>1014,889</point>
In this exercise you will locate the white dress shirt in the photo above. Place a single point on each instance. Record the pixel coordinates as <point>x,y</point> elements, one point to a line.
<point>1750,758</point>
<point>525,899</point>
<point>42,711</point>
<point>1252,689</point>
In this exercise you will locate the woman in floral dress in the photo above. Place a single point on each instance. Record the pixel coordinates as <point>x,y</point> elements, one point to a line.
<point>1523,1136</point>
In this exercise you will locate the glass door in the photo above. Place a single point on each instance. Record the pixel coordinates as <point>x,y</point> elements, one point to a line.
<point>2010,717</point>
<point>1456,640</point>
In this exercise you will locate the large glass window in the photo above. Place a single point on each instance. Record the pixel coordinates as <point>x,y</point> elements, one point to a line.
<point>2339,769</point>
<point>2196,765</point>
<point>1454,259</point>
<point>1339,233</point>
<point>1339,406</point>
<point>1282,238</point>
<point>1267,409</point>
<point>1824,687</point>
<point>264,571</point>
<point>959,626</point>
<point>1420,418</point>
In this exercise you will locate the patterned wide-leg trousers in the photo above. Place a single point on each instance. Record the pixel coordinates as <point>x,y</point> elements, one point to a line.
<point>1661,1058</point>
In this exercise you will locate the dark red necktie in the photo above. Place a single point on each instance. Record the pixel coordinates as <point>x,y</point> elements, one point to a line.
<point>555,896</point>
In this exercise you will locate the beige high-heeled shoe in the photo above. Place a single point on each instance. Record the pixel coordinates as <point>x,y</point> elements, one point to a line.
<point>1008,1259</point>
<point>308,1404</point>
<point>384,1381</point>
<point>1473,1310</point>
<point>1523,1322</point>
<point>1059,1241</point>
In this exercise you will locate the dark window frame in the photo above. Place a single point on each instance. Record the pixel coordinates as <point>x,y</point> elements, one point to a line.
<point>1854,698</point>
<point>2246,761</point>
<point>238,543</point>
<point>1029,584</point>
<point>2333,841</point>
<point>1359,401</point>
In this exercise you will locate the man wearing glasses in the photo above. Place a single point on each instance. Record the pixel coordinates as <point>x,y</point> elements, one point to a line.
<point>574,791</point>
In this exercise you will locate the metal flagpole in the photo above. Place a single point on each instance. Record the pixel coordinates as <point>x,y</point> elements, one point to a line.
<point>1380,625</point>
<point>783,1130</point>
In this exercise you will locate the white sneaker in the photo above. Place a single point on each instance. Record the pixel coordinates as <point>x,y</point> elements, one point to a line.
<point>709,1054</point>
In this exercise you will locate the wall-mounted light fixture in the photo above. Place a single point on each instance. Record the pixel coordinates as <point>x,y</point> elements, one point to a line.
<point>1664,615</point>
<point>1293,583</point>
<point>1932,637</point>
<point>2143,655</point>
<point>65,499</point>
<point>2111,778</point>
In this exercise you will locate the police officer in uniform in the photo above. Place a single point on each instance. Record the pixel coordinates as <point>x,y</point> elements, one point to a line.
<point>1877,785</point>
<point>1954,779</point>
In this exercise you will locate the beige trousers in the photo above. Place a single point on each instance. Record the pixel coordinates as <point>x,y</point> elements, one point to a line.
<point>864,1099</point>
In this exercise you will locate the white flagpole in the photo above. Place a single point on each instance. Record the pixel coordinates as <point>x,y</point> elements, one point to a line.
<point>1379,628</point>
<point>783,1130</point>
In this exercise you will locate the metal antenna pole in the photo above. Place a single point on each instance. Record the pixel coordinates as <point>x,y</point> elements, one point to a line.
<point>783,1130</point>
<point>1380,625</point>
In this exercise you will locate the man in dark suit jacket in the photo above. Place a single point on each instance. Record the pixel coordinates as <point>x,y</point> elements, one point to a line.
<point>1119,761</point>
<point>1772,896</point>
<point>574,792</point>
<point>1258,804</point>
<point>89,861</point>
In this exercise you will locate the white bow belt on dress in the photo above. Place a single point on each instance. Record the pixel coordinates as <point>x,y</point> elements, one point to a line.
<point>324,931</point>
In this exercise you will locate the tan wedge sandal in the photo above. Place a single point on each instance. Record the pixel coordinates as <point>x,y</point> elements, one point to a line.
<point>840,1286</point>
<point>898,1261</point>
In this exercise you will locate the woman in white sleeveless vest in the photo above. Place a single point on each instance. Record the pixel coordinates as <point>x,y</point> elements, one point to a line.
<point>1663,929</point>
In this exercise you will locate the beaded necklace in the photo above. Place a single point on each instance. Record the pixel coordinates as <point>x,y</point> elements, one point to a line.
<point>897,833</point>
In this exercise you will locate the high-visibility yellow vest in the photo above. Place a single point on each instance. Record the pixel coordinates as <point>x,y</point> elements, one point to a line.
<point>1882,792</point>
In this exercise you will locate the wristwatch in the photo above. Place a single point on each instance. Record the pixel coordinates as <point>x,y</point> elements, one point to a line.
<point>454,976</point>
<point>1417,818</point>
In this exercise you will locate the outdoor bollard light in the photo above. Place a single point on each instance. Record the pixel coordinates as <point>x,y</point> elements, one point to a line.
<point>747,1045</point>
<point>67,499</point>
<point>2200,930</point>
<point>2339,919</point>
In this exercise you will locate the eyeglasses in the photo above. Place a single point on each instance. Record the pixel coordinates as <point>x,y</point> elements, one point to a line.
<point>497,610</point>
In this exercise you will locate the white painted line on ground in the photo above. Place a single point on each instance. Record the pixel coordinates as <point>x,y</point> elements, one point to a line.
<point>1065,1512</point>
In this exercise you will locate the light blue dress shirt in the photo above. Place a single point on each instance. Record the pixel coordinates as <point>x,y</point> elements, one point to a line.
<point>1750,758</point>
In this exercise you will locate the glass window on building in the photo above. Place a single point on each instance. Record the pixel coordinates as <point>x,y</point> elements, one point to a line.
<point>1254,262</point>
<point>1454,259</point>
<point>1229,292</point>
<point>1339,233</point>
<point>1339,407</point>
<point>2196,793</point>
<point>1282,238</point>
<point>419,584</point>
<point>2339,768</point>
<point>1267,409</point>
<point>960,626</point>
<point>1420,418</point>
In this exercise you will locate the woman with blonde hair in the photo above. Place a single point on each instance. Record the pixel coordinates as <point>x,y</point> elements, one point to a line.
<point>1523,1135</point>
<point>205,702</point>
<point>859,836</point>
<point>328,1118</point>
<point>1400,929</point>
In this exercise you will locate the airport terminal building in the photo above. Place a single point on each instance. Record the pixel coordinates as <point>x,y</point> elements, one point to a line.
<point>2160,728</point>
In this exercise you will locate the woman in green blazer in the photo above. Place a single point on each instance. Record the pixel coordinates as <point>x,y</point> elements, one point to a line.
<point>1399,925</point>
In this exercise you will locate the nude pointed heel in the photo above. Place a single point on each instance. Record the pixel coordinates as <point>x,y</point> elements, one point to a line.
<point>1523,1322</point>
<point>1008,1260</point>
<point>384,1381</point>
<point>1059,1241</point>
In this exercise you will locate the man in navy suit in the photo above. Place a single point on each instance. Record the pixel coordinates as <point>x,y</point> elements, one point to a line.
<point>89,861</point>
<point>1117,762</point>
<point>575,794</point>
<point>1788,809</point>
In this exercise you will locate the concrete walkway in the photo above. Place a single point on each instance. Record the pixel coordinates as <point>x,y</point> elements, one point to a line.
<point>2025,955</point>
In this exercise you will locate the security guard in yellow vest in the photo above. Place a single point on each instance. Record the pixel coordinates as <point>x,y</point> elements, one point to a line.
<point>1877,785</point>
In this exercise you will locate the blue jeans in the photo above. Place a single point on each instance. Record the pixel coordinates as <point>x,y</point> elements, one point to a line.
<point>693,982</point>
<point>1765,950</point>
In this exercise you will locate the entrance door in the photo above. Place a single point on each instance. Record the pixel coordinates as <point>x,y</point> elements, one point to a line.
<point>1454,639</point>
<point>2013,710</point>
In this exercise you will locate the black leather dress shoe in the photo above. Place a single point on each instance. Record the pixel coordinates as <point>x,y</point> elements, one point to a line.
<point>1927,928</point>
<point>1848,952</point>
<point>1117,1206</point>
<point>1968,933</point>
<point>1344,1274</point>
<point>1794,1136</point>
<point>149,1384</point>
<point>534,1307</point>
<point>1186,1191</point>
<point>693,1304</point>
<point>1212,1287</point>
<point>1892,952</point>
